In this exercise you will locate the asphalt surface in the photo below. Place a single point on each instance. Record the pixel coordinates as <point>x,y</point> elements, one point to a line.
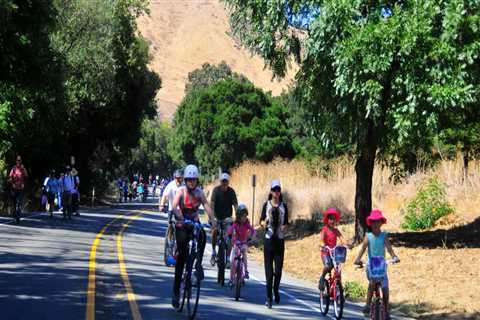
<point>55,269</point>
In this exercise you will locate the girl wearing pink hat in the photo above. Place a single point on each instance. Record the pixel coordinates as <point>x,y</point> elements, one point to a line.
<point>376,242</point>
<point>328,237</point>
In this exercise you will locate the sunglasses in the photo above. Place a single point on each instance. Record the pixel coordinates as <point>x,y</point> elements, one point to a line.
<point>190,180</point>
<point>276,189</point>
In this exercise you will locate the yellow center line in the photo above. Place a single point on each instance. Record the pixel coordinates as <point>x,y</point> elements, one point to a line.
<point>123,270</point>
<point>91,272</point>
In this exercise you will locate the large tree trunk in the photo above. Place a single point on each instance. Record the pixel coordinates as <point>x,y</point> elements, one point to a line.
<point>363,191</point>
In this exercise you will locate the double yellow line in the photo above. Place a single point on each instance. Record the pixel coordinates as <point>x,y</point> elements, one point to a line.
<point>90,315</point>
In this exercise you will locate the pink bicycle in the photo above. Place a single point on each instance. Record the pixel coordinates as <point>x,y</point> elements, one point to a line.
<point>238,269</point>
<point>377,270</point>
<point>333,283</point>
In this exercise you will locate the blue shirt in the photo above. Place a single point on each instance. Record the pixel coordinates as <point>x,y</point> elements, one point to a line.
<point>52,185</point>
<point>376,245</point>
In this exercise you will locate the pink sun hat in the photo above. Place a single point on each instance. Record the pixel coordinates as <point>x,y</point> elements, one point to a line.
<point>375,215</point>
<point>331,211</point>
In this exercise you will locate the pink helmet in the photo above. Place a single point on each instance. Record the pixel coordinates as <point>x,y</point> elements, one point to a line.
<point>374,216</point>
<point>331,211</point>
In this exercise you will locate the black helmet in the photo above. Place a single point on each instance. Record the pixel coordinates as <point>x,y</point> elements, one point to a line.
<point>178,173</point>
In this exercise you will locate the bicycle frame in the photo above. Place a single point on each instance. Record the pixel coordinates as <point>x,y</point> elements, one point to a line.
<point>239,258</point>
<point>335,274</point>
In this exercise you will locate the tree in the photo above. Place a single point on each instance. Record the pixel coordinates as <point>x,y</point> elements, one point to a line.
<point>226,123</point>
<point>208,74</point>
<point>370,69</point>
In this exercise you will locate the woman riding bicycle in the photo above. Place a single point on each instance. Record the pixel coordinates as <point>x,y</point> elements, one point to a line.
<point>241,230</point>
<point>186,205</point>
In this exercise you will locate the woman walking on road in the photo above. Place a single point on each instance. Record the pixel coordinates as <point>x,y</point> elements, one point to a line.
<point>17,179</point>
<point>275,219</point>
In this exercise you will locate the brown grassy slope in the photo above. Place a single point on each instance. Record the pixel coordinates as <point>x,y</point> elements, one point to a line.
<point>437,280</point>
<point>183,35</point>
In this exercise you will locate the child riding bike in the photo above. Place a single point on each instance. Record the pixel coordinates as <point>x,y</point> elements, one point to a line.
<point>241,230</point>
<point>328,238</point>
<point>376,242</point>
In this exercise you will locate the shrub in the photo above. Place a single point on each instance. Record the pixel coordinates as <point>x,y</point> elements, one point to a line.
<point>354,290</point>
<point>429,205</point>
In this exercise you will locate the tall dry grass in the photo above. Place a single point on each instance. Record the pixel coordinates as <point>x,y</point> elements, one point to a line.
<point>308,193</point>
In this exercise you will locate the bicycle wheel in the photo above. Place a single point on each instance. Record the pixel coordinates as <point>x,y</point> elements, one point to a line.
<point>238,280</point>
<point>339,301</point>
<point>193,296</point>
<point>325,299</point>
<point>185,289</point>
<point>169,245</point>
<point>378,310</point>
<point>221,263</point>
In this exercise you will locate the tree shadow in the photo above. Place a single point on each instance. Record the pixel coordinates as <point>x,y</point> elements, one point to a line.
<point>422,310</point>
<point>465,236</point>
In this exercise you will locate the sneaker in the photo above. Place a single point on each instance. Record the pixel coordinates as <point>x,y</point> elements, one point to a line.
<point>176,301</point>
<point>321,284</point>
<point>199,272</point>
<point>366,310</point>
<point>268,303</point>
<point>247,275</point>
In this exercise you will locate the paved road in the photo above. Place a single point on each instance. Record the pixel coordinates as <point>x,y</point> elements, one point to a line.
<point>107,264</point>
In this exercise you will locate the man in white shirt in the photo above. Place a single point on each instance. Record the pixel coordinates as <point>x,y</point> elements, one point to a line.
<point>169,193</point>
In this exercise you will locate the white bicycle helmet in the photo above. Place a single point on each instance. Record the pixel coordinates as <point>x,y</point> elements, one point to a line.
<point>191,172</point>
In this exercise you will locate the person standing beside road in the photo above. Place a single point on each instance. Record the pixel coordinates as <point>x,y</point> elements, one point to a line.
<point>17,179</point>
<point>274,218</point>
<point>222,201</point>
<point>75,192</point>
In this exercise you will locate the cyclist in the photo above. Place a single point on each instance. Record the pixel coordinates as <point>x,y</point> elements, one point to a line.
<point>169,193</point>
<point>222,201</point>
<point>186,205</point>
<point>17,178</point>
<point>328,237</point>
<point>241,231</point>
<point>52,187</point>
<point>275,219</point>
<point>376,242</point>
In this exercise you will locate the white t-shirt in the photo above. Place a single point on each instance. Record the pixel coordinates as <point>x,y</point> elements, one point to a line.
<point>170,191</point>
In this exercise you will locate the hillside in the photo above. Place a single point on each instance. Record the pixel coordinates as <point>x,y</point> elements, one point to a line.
<point>183,35</point>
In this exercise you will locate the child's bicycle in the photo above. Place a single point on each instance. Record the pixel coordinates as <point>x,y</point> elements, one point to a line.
<point>333,288</point>
<point>377,269</point>
<point>238,270</point>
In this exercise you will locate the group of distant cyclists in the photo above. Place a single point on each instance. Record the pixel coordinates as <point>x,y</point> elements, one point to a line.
<point>137,188</point>
<point>61,191</point>
<point>183,197</point>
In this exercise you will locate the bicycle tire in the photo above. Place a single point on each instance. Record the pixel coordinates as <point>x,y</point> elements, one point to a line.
<point>339,301</point>
<point>325,299</point>
<point>194,293</point>
<point>238,280</point>
<point>168,247</point>
<point>221,263</point>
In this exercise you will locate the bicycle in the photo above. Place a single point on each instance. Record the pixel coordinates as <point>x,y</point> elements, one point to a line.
<point>239,271</point>
<point>222,256</point>
<point>377,269</point>
<point>170,246</point>
<point>190,286</point>
<point>333,288</point>
<point>17,205</point>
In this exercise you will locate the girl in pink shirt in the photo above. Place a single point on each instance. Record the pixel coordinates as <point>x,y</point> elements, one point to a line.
<point>240,231</point>
<point>328,238</point>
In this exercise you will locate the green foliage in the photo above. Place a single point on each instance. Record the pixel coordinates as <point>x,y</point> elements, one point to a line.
<point>427,207</point>
<point>354,290</point>
<point>150,155</point>
<point>208,74</point>
<point>228,122</point>
<point>74,81</point>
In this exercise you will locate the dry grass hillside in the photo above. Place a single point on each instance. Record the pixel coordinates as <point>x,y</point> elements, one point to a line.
<point>183,35</point>
<point>438,276</point>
